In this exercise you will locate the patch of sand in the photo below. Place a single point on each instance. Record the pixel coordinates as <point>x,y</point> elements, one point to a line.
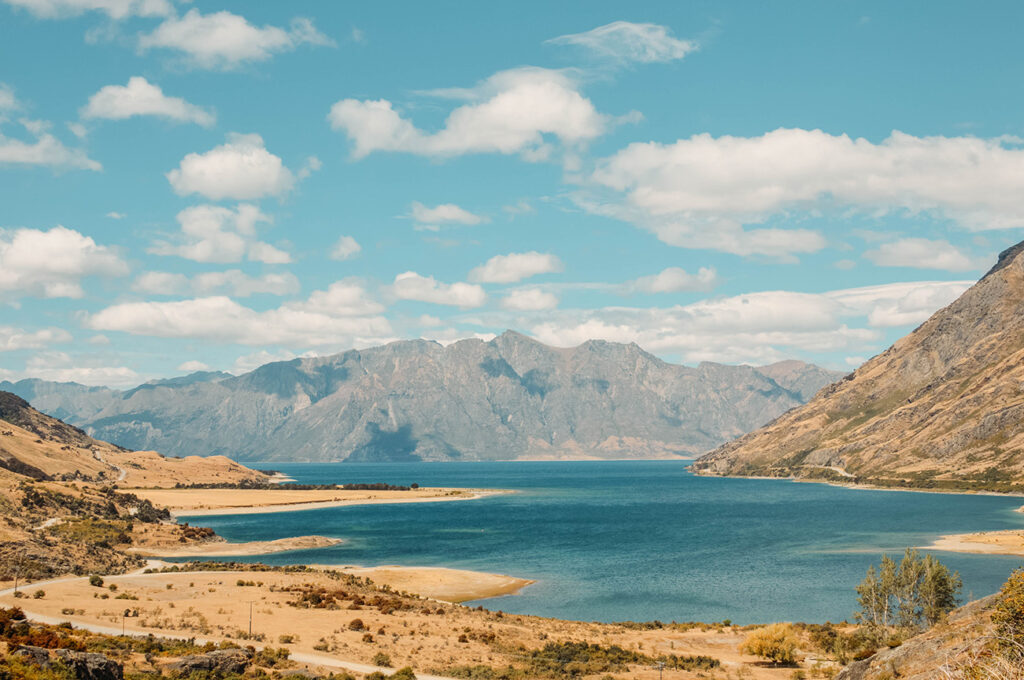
<point>430,636</point>
<point>1010,542</point>
<point>222,548</point>
<point>440,583</point>
<point>200,502</point>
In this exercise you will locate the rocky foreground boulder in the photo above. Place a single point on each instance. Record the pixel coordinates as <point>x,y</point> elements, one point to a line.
<point>85,666</point>
<point>217,662</point>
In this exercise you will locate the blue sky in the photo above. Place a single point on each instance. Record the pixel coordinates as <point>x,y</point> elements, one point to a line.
<point>189,185</point>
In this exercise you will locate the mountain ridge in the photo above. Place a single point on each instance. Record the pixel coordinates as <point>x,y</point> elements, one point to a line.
<point>507,398</point>
<point>942,407</point>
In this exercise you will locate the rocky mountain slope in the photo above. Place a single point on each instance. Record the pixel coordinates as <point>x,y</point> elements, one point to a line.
<point>510,398</point>
<point>943,407</point>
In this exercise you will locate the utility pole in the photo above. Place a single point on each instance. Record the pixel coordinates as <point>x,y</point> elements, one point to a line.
<point>661,669</point>
<point>250,619</point>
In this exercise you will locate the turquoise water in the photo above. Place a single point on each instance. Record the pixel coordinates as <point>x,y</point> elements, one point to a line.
<point>616,541</point>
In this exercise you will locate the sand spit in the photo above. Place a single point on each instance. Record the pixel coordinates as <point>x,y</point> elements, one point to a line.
<point>225,549</point>
<point>203,502</point>
<point>440,583</point>
<point>1009,542</point>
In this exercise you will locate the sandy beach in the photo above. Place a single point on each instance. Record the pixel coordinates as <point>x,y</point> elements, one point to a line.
<point>203,502</point>
<point>1009,542</point>
<point>223,548</point>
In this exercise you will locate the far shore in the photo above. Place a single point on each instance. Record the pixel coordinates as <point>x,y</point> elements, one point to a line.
<point>208,502</point>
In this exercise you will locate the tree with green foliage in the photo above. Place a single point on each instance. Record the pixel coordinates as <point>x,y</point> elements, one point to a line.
<point>916,593</point>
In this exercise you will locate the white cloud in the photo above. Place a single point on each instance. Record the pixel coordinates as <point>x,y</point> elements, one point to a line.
<point>193,366</point>
<point>529,300</point>
<point>52,263</point>
<point>412,286</point>
<point>432,219</point>
<point>116,215</point>
<point>701,192</point>
<point>160,283</point>
<point>515,267</point>
<point>625,41</point>
<point>249,362</point>
<point>757,327</point>
<point>212,233</point>
<point>512,112</point>
<point>339,316</point>
<point>233,282</point>
<point>12,338</point>
<point>242,169</point>
<point>226,41</point>
<point>674,280</point>
<point>99,339</point>
<point>923,253</point>
<point>44,150</point>
<point>142,98</point>
<point>84,369</point>
<point>8,102</point>
<point>115,9</point>
<point>345,248</point>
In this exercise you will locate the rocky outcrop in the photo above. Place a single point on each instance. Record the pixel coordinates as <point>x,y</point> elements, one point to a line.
<point>505,399</point>
<point>944,404</point>
<point>88,666</point>
<point>218,662</point>
<point>921,657</point>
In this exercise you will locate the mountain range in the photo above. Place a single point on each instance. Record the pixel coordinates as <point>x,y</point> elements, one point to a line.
<point>509,398</point>
<point>944,406</point>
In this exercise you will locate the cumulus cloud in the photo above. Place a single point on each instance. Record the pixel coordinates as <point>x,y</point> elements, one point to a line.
<point>674,280</point>
<point>923,253</point>
<point>512,112</point>
<point>345,248</point>
<point>211,233</point>
<point>515,267</point>
<point>85,369</point>
<point>142,98</point>
<point>233,282</point>
<point>43,150</point>
<point>342,315</point>
<point>241,169</point>
<point>12,338</point>
<point>52,263</point>
<point>115,9</point>
<point>432,219</point>
<point>193,366</point>
<point>412,286</point>
<point>529,300</point>
<point>757,327</point>
<point>629,42</point>
<point>226,41</point>
<point>701,192</point>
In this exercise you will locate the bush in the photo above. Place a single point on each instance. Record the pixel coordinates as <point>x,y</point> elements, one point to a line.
<point>356,624</point>
<point>776,643</point>
<point>1009,613</point>
<point>39,594</point>
<point>404,673</point>
<point>382,659</point>
<point>286,639</point>
<point>95,580</point>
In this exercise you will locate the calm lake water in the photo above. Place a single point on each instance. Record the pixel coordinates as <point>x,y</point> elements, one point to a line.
<point>616,541</point>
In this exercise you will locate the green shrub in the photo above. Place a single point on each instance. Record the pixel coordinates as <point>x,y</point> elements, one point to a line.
<point>95,580</point>
<point>382,659</point>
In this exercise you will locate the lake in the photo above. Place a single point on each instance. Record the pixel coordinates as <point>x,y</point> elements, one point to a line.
<point>639,540</point>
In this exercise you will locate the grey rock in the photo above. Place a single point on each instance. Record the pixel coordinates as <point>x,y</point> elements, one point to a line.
<point>220,661</point>
<point>34,655</point>
<point>88,666</point>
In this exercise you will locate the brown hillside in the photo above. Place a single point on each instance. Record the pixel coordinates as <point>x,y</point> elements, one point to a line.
<point>943,407</point>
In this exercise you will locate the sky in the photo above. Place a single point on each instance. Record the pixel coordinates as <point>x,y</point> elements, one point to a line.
<point>215,185</point>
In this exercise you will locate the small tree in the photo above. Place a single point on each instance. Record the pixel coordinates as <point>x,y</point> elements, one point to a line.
<point>776,643</point>
<point>916,593</point>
